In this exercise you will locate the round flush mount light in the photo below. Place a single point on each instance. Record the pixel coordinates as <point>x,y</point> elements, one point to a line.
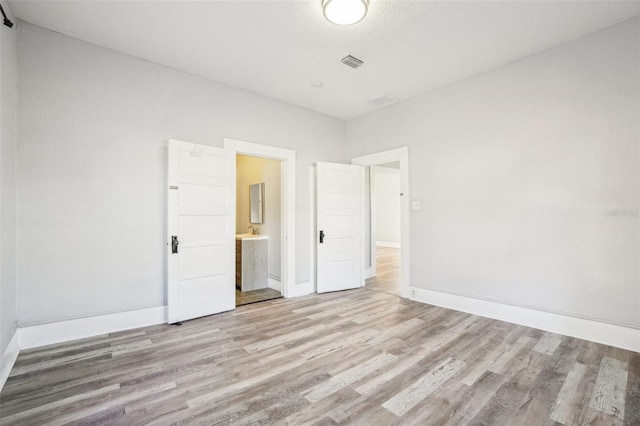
<point>344,12</point>
<point>317,84</point>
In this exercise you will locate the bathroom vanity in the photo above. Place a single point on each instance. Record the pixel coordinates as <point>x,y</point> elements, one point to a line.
<point>252,262</point>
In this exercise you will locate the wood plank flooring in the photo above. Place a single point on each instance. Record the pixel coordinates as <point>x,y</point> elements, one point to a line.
<point>254,296</point>
<point>387,277</point>
<point>355,357</point>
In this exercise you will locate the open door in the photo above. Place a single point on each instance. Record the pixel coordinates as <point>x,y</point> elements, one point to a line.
<point>340,228</point>
<point>201,230</point>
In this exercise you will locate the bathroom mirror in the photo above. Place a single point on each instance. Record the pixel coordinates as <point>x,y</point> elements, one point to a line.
<point>256,195</point>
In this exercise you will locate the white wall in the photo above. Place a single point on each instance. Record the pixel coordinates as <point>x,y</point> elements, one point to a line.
<point>250,170</point>
<point>529,179</point>
<point>387,194</point>
<point>8,110</point>
<point>93,131</point>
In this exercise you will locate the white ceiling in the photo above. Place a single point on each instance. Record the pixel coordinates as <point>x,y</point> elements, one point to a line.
<point>277,48</point>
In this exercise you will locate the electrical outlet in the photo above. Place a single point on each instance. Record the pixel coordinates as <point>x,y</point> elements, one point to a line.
<point>415,205</point>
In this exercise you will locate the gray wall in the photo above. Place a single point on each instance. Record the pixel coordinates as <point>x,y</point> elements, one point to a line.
<point>529,179</point>
<point>93,126</point>
<point>8,109</point>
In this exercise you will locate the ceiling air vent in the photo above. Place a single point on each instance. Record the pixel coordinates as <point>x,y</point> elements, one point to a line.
<point>380,99</point>
<point>352,61</point>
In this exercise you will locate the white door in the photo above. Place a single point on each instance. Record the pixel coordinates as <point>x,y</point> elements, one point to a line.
<point>201,230</point>
<point>339,226</point>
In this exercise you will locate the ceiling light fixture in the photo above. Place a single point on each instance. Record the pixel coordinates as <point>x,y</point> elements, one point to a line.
<point>344,12</point>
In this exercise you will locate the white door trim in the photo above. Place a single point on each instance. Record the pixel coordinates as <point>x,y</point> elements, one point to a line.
<point>401,155</point>
<point>370,272</point>
<point>288,203</point>
<point>313,227</point>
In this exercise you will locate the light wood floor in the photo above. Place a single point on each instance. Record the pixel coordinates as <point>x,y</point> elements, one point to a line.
<point>254,296</point>
<point>354,357</point>
<point>387,277</point>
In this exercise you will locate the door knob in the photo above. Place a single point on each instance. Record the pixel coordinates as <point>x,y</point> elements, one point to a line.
<point>174,244</point>
<point>321,236</point>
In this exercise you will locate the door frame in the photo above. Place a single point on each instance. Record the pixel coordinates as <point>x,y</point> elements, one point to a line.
<point>401,155</point>
<point>287,203</point>
<point>370,272</point>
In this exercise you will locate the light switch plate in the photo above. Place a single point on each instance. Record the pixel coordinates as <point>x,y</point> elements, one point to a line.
<point>415,205</point>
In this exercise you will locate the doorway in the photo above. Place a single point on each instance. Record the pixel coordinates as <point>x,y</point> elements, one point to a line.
<point>391,258</point>
<point>384,229</point>
<point>287,159</point>
<point>258,229</point>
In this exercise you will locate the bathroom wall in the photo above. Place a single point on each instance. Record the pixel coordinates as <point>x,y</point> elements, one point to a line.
<point>250,170</point>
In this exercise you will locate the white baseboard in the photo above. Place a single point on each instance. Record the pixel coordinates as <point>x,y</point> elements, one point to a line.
<point>275,284</point>
<point>9,358</point>
<point>369,273</point>
<point>392,244</point>
<point>595,331</point>
<point>62,331</point>
<point>303,289</point>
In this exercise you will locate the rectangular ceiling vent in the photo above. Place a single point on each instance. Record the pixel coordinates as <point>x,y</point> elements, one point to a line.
<point>352,61</point>
<point>380,99</point>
